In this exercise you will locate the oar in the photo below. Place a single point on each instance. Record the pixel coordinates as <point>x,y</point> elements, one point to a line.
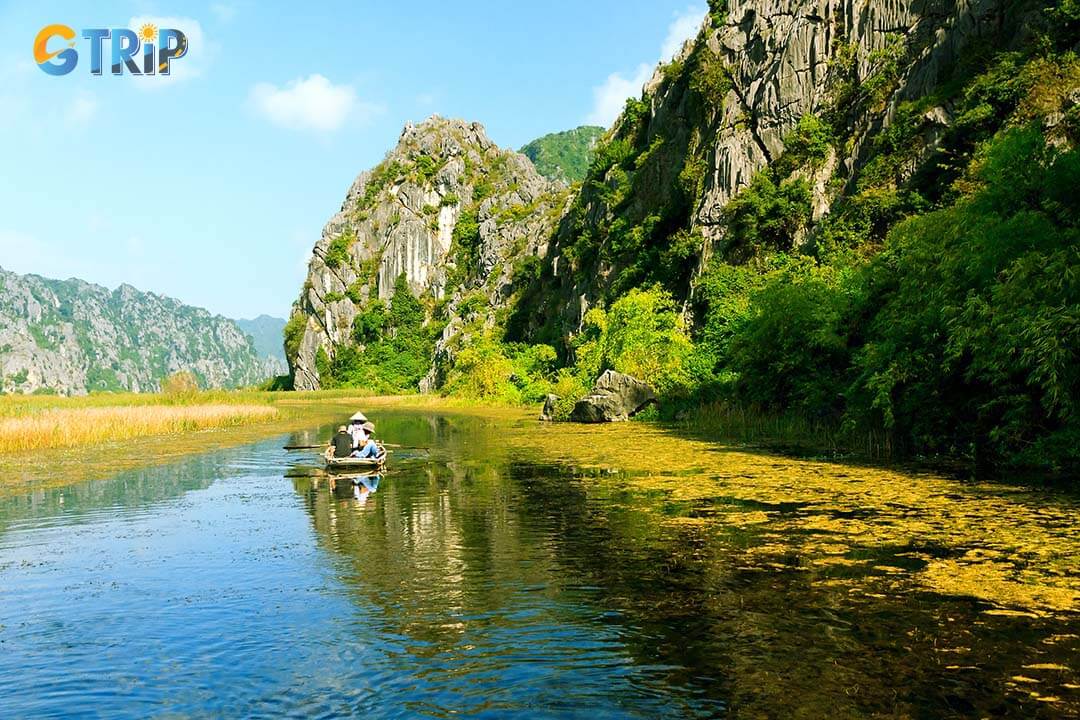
<point>320,447</point>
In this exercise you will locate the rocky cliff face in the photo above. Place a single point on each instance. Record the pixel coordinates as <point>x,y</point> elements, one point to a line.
<point>719,114</point>
<point>446,208</point>
<point>655,204</point>
<point>72,337</point>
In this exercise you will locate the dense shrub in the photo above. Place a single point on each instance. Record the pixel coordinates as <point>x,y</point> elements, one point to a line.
<point>766,216</point>
<point>337,253</point>
<point>790,350</point>
<point>465,247</point>
<point>489,370</point>
<point>712,79</point>
<point>294,333</point>
<point>642,335</point>
<point>396,347</point>
<point>973,344</point>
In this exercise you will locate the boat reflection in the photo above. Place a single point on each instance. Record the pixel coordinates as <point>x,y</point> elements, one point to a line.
<point>358,487</point>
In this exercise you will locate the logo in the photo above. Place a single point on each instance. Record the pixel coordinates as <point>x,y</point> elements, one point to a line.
<point>146,52</point>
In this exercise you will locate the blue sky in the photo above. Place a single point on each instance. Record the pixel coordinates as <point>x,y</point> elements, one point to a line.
<point>212,185</point>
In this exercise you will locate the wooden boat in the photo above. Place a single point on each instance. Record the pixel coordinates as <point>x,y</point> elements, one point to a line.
<point>351,463</point>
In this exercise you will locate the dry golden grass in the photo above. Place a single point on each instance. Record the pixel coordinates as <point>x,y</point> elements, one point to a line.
<point>67,427</point>
<point>34,422</point>
<point>38,422</point>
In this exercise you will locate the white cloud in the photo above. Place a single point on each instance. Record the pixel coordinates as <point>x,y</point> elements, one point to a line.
<point>610,96</point>
<point>224,13</point>
<point>312,103</point>
<point>82,109</point>
<point>685,26</point>
<point>193,63</point>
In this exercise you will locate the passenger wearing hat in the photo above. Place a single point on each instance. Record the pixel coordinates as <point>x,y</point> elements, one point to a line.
<point>369,449</point>
<point>356,429</point>
<point>342,442</point>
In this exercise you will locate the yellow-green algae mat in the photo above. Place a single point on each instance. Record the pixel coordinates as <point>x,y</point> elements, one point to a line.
<point>1014,549</point>
<point>1024,554</point>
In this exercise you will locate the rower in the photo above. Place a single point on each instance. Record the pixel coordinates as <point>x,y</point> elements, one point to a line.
<point>369,449</point>
<point>342,442</point>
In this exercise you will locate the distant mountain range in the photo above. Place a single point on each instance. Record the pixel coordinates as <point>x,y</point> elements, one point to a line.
<point>72,337</point>
<point>267,332</point>
<point>564,155</point>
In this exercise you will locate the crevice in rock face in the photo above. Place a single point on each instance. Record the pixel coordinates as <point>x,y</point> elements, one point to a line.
<point>751,122</point>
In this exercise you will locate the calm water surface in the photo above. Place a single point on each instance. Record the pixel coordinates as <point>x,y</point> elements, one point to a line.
<point>501,569</point>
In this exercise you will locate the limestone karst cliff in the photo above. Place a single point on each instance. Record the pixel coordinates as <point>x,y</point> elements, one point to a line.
<point>657,203</point>
<point>73,337</point>
<point>448,210</point>
<point>799,97</point>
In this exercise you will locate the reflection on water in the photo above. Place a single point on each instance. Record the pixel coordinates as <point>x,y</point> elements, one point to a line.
<point>503,568</point>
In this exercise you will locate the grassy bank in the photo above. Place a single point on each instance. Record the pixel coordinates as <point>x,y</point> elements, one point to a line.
<point>30,423</point>
<point>79,427</point>
<point>733,421</point>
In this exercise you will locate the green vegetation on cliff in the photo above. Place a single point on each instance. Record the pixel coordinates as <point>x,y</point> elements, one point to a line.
<point>564,155</point>
<point>391,348</point>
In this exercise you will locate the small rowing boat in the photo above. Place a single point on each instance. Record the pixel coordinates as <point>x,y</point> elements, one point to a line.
<point>353,463</point>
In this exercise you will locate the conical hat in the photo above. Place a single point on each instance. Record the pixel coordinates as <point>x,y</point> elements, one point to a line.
<point>369,427</point>
<point>359,417</point>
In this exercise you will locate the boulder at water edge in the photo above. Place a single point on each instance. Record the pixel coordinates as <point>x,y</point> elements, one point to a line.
<point>615,397</point>
<point>550,403</point>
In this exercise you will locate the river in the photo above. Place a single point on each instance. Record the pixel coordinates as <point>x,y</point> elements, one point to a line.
<point>501,568</point>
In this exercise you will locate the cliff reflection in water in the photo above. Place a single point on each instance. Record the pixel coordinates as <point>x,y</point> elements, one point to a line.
<point>735,581</point>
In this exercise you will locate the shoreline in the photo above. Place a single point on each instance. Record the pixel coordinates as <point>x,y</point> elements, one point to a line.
<point>298,413</point>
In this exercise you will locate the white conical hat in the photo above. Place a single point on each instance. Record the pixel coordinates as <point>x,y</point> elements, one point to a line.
<point>369,427</point>
<point>359,417</point>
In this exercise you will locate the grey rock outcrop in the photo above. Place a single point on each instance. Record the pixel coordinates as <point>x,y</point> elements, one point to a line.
<point>547,413</point>
<point>614,398</point>
<point>72,337</point>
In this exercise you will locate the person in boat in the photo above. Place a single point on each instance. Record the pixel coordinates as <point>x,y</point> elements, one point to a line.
<point>369,449</point>
<point>342,442</point>
<point>356,428</point>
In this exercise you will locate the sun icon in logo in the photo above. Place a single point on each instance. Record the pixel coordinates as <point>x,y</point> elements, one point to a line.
<point>148,33</point>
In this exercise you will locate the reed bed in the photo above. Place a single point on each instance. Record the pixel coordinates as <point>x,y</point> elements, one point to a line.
<point>90,424</point>
<point>727,420</point>
<point>19,405</point>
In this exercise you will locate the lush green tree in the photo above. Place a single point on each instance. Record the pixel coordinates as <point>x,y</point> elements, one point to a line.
<point>766,216</point>
<point>396,350</point>
<point>790,350</point>
<point>643,335</point>
<point>370,323</point>
<point>972,346</point>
